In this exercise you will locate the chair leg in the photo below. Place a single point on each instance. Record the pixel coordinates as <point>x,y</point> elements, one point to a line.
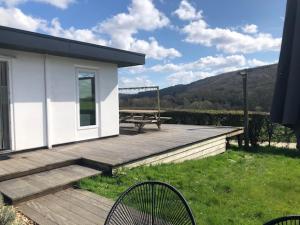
<point>140,127</point>
<point>158,125</point>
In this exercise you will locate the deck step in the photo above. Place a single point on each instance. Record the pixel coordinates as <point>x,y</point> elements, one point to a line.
<point>28,187</point>
<point>67,207</point>
<point>34,162</point>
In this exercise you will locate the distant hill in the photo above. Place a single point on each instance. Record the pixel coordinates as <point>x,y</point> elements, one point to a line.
<point>223,91</point>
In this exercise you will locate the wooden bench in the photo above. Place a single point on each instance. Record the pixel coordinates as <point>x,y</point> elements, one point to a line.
<point>165,118</point>
<point>152,117</point>
<point>142,117</point>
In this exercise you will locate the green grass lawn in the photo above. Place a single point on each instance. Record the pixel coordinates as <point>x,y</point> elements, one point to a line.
<point>236,187</point>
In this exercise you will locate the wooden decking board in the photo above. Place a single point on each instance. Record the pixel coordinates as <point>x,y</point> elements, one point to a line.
<point>113,152</point>
<point>60,156</point>
<point>143,147</point>
<point>208,152</point>
<point>49,211</point>
<point>174,143</point>
<point>149,154</point>
<point>31,185</point>
<point>20,165</point>
<point>190,152</point>
<point>67,207</point>
<point>35,215</point>
<point>98,199</point>
<point>3,171</point>
<point>14,189</point>
<point>54,157</point>
<point>195,151</point>
<point>99,159</point>
<point>75,213</point>
<point>77,200</point>
<point>32,162</point>
<point>14,167</point>
<point>94,154</point>
<point>47,157</point>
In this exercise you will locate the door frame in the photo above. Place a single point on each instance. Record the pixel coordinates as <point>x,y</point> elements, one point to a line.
<point>95,71</point>
<point>11,121</point>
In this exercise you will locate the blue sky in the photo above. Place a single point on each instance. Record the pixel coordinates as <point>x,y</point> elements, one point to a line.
<point>184,40</point>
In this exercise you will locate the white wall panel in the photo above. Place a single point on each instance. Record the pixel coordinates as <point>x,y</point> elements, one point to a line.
<point>29,100</point>
<point>28,96</point>
<point>62,95</point>
<point>109,95</point>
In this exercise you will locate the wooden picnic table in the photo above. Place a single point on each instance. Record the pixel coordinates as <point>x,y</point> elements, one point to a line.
<point>142,117</point>
<point>140,111</point>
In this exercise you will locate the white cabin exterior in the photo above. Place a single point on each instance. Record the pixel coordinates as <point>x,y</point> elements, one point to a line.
<point>48,96</point>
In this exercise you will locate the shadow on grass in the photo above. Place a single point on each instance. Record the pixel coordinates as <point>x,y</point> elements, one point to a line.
<point>293,153</point>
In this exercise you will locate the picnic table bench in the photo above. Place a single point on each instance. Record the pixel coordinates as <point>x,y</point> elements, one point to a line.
<point>142,117</point>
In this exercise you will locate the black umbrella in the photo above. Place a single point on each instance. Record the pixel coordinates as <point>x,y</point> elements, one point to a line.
<point>286,100</point>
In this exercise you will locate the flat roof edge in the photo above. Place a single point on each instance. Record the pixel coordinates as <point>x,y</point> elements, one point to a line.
<point>11,38</point>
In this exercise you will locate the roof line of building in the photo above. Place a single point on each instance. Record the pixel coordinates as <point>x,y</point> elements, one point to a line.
<point>11,38</point>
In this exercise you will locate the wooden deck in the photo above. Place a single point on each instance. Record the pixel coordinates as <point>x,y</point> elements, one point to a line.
<point>35,185</point>
<point>36,181</point>
<point>130,147</point>
<point>67,207</point>
<point>123,150</point>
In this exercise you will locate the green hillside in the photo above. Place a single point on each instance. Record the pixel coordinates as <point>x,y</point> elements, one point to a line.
<point>223,91</point>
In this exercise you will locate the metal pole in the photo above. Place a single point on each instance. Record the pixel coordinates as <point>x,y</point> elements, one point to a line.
<point>246,114</point>
<point>158,103</point>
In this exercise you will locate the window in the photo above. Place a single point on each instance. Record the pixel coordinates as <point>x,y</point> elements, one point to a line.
<point>87,100</point>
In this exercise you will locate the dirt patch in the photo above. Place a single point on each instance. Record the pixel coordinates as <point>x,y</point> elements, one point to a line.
<point>24,219</point>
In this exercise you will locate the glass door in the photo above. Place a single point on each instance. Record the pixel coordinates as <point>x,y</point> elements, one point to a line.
<point>4,108</point>
<point>87,98</point>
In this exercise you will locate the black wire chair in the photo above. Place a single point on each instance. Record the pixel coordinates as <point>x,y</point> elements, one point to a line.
<point>150,203</point>
<point>286,220</point>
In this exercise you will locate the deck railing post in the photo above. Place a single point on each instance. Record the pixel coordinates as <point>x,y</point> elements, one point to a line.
<point>244,75</point>
<point>158,103</point>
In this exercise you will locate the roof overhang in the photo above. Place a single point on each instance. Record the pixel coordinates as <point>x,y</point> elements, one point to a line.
<point>16,39</point>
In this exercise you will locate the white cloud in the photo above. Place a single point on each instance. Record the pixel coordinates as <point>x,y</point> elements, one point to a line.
<point>184,73</point>
<point>250,28</point>
<point>121,28</point>
<point>62,4</point>
<point>169,67</point>
<point>256,63</point>
<point>208,63</point>
<point>138,81</point>
<point>228,40</point>
<point>187,12</point>
<point>85,35</point>
<point>133,70</point>
<point>13,17</point>
<point>141,16</point>
<point>153,49</point>
<point>185,77</point>
<point>206,67</point>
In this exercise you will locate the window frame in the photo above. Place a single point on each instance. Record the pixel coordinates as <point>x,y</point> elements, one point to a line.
<point>86,70</point>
